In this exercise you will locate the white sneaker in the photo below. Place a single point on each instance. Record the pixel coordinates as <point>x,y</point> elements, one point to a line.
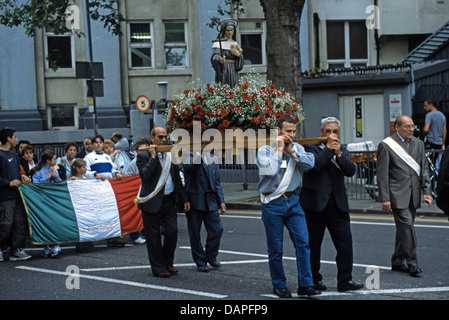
<point>19,255</point>
<point>139,240</point>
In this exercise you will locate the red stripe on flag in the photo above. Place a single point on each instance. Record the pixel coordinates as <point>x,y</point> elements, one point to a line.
<point>126,190</point>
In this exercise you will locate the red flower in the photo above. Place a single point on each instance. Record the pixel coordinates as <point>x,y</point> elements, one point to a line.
<point>223,113</point>
<point>225,123</point>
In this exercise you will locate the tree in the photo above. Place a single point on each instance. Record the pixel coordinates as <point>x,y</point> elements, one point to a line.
<point>33,15</point>
<point>283,20</point>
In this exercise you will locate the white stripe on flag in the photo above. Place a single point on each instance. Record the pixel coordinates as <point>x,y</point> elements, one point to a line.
<point>95,208</point>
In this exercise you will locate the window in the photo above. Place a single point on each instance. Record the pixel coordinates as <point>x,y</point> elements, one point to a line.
<point>252,40</point>
<point>175,44</point>
<point>59,50</point>
<point>62,117</point>
<point>347,44</point>
<point>140,45</point>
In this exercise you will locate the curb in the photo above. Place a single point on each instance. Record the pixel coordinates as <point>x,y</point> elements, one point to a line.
<point>363,210</point>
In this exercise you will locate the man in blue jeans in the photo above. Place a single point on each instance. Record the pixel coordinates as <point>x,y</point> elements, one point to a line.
<point>280,179</point>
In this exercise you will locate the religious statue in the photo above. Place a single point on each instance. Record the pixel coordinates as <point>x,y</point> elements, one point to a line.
<point>227,57</point>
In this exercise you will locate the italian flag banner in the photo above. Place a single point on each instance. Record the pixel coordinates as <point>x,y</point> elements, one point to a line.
<point>82,210</point>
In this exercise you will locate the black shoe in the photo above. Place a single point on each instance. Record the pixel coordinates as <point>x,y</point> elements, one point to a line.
<point>309,291</point>
<point>203,269</point>
<point>215,264</point>
<point>319,286</point>
<point>415,271</point>
<point>401,268</point>
<point>282,293</point>
<point>349,286</point>
<point>173,271</point>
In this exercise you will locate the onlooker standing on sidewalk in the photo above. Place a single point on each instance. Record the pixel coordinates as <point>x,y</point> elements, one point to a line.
<point>280,177</point>
<point>160,195</point>
<point>87,148</point>
<point>13,224</point>
<point>402,176</point>
<point>121,143</point>
<point>44,173</point>
<point>131,169</point>
<point>434,129</point>
<point>71,149</point>
<point>203,189</point>
<point>325,202</point>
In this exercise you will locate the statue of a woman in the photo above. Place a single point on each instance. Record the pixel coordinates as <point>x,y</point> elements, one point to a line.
<point>227,57</point>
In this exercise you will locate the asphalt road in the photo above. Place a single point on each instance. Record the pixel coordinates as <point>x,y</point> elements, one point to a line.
<point>124,273</point>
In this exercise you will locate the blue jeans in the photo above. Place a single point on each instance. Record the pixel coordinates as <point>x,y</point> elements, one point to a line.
<point>275,215</point>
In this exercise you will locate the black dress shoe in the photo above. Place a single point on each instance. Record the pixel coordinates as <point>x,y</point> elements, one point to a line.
<point>282,293</point>
<point>173,271</point>
<point>309,291</point>
<point>203,269</point>
<point>319,286</point>
<point>349,286</point>
<point>215,264</point>
<point>415,271</point>
<point>401,268</point>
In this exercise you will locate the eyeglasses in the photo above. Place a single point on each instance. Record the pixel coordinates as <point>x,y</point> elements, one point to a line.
<point>408,127</point>
<point>161,137</point>
<point>335,131</point>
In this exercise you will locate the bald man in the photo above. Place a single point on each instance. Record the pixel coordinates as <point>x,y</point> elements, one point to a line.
<point>403,177</point>
<point>161,196</point>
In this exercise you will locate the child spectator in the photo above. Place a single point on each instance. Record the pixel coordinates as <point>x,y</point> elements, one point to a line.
<point>27,160</point>
<point>44,173</point>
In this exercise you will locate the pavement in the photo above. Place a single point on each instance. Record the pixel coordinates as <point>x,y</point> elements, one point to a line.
<point>238,197</point>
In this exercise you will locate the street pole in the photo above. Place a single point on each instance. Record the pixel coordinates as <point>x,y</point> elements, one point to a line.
<point>91,59</point>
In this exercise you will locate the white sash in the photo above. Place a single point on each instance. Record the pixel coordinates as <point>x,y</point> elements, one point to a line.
<point>283,184</point>
<point>403,154</point>
<point>161,182</point>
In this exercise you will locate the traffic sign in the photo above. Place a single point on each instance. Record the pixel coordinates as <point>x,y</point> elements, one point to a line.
<point>143,103</point>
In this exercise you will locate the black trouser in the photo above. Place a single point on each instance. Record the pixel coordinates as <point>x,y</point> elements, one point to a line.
<point>214,228</point>
<point>338,224</point>
<point>161,255</point>
<point>13,224</point>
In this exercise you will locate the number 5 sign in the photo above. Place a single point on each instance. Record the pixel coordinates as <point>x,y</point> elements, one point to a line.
<point>143,103</point>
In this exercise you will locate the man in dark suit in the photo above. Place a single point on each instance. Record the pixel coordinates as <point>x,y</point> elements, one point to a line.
<point>160,196</point>
<point>207,203</point>
<point>402,175</point>
<point>325,202</point>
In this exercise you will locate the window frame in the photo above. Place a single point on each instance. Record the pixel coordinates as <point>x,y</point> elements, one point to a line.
<point>184,44</point>
<point>347,61</point>
<point>140,45</point>
<point>62,128</point>
<point>70,34</point>
<point>251,31</point>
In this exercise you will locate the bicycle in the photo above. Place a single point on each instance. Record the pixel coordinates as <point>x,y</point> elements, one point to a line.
<point>370,174</point>
<point>431,154</point>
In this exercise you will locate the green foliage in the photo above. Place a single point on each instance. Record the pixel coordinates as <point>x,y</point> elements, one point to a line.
<point>33,15</point>
<point>235,6</point>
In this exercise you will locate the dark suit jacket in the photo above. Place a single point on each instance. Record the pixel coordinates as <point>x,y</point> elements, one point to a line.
<point>397,182</point>
<point>203,186</point>
<point>150,170</point>
<point>325,178</point>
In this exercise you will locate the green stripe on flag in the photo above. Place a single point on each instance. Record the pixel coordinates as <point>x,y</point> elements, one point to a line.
<point>50,212</point>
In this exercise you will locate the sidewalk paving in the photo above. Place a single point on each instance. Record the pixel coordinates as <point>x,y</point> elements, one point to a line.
<point>238,198</point>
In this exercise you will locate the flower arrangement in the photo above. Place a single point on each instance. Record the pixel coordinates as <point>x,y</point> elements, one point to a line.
<point>252,104</point>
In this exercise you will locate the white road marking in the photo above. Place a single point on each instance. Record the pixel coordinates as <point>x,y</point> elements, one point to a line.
<point>128,283</point>
<point>368,292</point>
